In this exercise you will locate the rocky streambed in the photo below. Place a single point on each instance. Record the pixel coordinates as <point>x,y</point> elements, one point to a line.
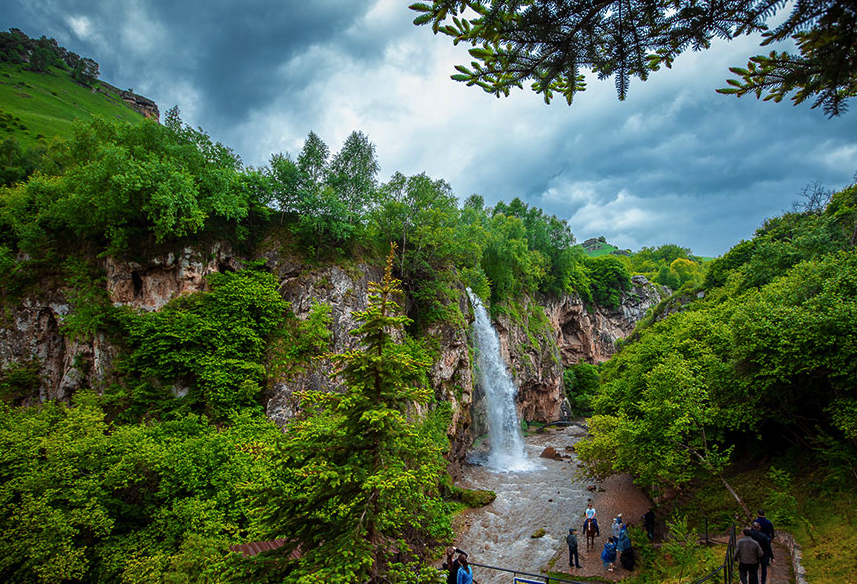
<point>543,502</point>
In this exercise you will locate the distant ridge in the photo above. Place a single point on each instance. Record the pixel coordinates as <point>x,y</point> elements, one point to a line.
<point>45,89</point>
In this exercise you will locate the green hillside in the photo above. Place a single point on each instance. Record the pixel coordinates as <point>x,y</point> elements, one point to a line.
<point>36,106</point>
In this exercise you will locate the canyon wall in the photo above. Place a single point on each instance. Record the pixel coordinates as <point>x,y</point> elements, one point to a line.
<point>548,335</point>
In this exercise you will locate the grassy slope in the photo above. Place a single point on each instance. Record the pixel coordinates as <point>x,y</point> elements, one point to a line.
<point>47,105</point>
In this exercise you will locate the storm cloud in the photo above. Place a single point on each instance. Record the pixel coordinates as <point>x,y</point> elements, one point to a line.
<point>674,163</point>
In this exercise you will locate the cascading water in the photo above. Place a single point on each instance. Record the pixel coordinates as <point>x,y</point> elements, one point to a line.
<point>504,431</point>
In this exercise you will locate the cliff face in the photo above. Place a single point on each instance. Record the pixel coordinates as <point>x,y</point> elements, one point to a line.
<point>553,333</point>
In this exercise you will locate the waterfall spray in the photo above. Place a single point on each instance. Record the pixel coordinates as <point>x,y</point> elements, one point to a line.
<point>504,431</point>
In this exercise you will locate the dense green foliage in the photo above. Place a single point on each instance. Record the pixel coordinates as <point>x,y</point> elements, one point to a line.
<point>39,55</point>
<point>551,42</point>
<point>117,185</point>
<point>86,500</point>
<point>355,487</point>
<point>581,383</point>
<point>767,353</point>
<point>211,345</point>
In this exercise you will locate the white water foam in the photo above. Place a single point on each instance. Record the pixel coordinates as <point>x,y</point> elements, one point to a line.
<point>504,431</point>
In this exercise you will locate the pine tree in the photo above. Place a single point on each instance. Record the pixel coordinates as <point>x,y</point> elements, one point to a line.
<point>356,494</point>
<point>549,42</point>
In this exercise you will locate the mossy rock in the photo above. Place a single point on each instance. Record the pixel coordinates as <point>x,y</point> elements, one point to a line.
<point>477,498</point>
<point>540,532</point>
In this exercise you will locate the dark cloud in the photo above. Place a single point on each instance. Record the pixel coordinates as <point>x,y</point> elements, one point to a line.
<point>674,163</point>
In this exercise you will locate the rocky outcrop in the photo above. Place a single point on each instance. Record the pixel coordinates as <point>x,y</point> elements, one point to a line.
<point>452,379</point>
<point>539,348</point>
<point>163,277</point>
<point>141,104</point>
<point>528,344</point>
<point>346,292</point>
<point>144,105</point>
<point>590,333</point>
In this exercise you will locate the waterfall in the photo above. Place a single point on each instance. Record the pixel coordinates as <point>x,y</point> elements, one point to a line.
<point>504,430</point>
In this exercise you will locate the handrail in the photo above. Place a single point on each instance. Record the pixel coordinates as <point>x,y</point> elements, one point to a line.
<point>727,566</point>
<point>547,579</point>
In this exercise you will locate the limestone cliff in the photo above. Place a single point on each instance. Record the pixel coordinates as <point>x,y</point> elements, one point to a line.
<point>540,338</point>
<point>546,335</point>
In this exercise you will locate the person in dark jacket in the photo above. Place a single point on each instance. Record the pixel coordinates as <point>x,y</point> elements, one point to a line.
<point>573,557</point>
<point>765,525</point>
<point>452,565</point>
<point>649,522</point>
<point>764,541</point>
<point>749,553</point>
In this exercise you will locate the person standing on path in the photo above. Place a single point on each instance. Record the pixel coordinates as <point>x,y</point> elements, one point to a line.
<point>764,541</point>
<point>749,553</point>
<point>617,526</point>
<point>608,555</point>
<point>765,525</point>
<point>649,522</point>
<point>590,516</point>
<point>452,565</point>
<point>573,557</point>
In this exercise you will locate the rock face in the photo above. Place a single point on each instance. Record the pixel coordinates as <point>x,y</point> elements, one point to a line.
<point>538,349</point>
<point>590,335</point>
<point>144,105</point>
<point>553,334</point>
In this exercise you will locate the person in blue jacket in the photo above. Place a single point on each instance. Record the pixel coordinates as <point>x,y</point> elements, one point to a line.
<point>608,555</point>
<point>465,573</point>
<point>623,542</point>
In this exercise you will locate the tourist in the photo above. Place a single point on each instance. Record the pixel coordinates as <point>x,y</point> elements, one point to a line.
<point>617,526</point>
<point>590,517</point>
<point>452,565</point>
<point>465,574</point>
<point>765,525</point>
<point>623,542</point>
<point>764,541</point>
<point>749,553</point>
<point>573,558</point>
<point>649,522</point>
<point>608,555</point>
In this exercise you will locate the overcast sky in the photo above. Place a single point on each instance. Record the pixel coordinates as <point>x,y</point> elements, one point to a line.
<point>674,163</point>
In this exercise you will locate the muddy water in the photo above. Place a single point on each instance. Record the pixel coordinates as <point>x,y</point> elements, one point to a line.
<point>548,497</point>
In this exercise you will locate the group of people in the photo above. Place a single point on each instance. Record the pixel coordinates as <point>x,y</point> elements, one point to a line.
<point>617,545</point>
<point>754,550</point>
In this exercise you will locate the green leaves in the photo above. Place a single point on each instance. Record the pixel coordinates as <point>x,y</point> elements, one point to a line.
<point>214,342</point>
<point>113,184</point>
<point>85,500</point>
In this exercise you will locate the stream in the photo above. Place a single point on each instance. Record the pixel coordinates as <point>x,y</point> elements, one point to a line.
<point>546,497</point>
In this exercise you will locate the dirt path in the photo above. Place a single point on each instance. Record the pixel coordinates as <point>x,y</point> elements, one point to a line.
<point>616,495</point>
